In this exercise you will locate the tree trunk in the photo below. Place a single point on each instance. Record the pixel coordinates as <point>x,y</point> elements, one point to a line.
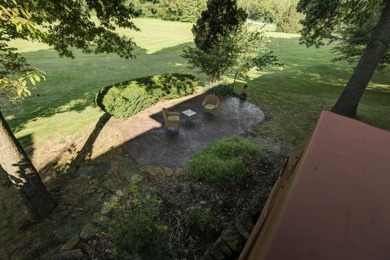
<point>23,174</point>
<point>349,100</point>
<point>235,77</point>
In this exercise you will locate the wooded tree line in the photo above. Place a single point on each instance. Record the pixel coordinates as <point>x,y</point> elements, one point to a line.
<point>268,11</point>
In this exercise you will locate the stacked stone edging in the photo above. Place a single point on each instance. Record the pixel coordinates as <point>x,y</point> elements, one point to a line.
<point>79,245</point>
<point>233,238</point>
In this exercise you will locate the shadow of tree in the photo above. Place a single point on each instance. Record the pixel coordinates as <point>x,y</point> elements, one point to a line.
<point>72,84</point>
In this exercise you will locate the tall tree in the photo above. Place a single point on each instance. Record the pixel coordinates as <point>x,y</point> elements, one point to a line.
<point>289,20</point>
<point>236,52</point>
<point>221,18</point>
<point>353,38</point>
<point>322,18</point>
<point>63,25</point>
<point>214,52</point>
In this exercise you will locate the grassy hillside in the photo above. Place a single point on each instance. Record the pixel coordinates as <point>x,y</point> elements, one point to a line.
<point>292,97</point>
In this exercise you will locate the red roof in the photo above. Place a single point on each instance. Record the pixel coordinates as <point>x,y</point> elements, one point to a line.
<point>336,204</point>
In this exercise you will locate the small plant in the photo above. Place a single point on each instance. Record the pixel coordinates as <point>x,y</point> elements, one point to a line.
<point>225,163</point>
<point>223,90</point>
<point>127,98</point>
<point>134,231</point>
<point>205,221</point>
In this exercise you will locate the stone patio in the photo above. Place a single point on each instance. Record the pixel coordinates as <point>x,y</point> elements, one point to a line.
<point>148,142</point>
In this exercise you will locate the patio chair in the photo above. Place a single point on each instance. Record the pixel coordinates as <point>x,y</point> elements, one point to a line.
<point>171,119</point>
<point>210,103</point>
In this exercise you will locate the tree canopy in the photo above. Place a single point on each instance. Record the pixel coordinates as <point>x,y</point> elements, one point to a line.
<point>224,42</point>
<point>83,24</point>
<point>63,25</point>
<point>352,38</point>
<point>219,19</point>
<point>214,49</point>
<point>323,18</point>
<point>321,22</point>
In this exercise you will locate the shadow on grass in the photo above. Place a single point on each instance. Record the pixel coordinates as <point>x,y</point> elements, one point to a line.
<point>72,84</point>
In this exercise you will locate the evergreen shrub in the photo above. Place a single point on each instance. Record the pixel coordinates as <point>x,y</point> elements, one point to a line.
<point>123,100</point>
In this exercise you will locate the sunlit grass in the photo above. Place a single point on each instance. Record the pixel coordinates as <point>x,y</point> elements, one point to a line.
<point>294,96</point>
<point>156,35</point>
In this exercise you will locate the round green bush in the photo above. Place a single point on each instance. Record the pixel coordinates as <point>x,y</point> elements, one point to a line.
<point>224,162</point>
<point>127,98</point>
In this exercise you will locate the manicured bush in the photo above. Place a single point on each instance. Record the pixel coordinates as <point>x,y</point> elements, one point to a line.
<point>125,99</point>
<point>225,162</point>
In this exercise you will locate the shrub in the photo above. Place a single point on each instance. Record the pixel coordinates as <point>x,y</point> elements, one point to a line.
<point>223,90</point>
<point>225,162</point>
<point>134,231</point>
<point>125,99</point>
<point>205,221</point>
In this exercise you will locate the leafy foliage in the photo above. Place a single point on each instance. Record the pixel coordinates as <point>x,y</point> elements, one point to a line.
<point>289,21</point>
<point>221,18</point>
<point>354,38</point>
<point>351,24</point>
<point>127,98</point>
<point>205,221</point>
<point>237,51</point>
<point>283,13</point>
<point>63,25</point>
<point>173,10</point>
<point>224,163</point>
<point>223,90</point>
<point>134,231</point>
<point>323,18</point>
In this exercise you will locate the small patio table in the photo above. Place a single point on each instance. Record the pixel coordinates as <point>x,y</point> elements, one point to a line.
<point>189,115</point>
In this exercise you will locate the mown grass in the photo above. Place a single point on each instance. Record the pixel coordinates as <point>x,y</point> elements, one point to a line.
<point>292,97</point>
<point>63,104</point>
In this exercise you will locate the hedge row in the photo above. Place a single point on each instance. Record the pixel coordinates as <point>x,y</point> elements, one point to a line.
<point>124,99</point>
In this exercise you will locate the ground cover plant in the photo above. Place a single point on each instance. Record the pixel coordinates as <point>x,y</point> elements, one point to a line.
<point>223,90</point>
<point>125,99</point>
<point>134,230</point>
<point>225,163</point>
<point>62,109</point>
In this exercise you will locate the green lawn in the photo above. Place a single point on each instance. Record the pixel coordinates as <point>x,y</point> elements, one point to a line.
<point>64,102</point>
<point>309,83</point>
<point>292,97</point>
